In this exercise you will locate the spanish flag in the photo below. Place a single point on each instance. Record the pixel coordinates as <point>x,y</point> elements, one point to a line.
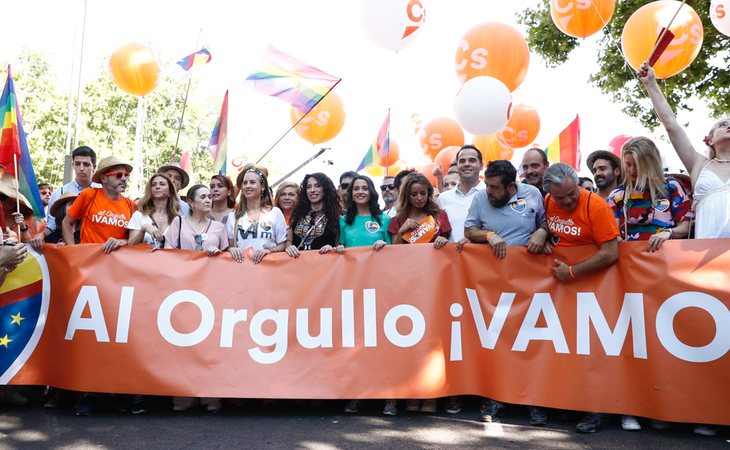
<point>566,147</point>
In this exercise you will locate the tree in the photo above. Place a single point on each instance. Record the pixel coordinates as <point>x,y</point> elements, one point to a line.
<point>44,112</point>
<point>707,78</point>
<point>108,120</point>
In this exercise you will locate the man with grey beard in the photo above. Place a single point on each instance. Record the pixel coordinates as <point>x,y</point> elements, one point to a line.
<point>390,195</point>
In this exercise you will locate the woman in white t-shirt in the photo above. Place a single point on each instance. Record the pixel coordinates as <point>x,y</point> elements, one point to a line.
<point>156,210</point>
<point>256,228</point>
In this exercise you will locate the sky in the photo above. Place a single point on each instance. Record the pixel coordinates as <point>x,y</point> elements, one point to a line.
<point>418,80</point>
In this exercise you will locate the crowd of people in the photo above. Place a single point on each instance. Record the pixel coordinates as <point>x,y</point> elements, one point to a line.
<point>630,198</point>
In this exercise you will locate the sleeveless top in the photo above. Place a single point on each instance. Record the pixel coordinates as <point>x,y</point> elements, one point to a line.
<point>712,205</point>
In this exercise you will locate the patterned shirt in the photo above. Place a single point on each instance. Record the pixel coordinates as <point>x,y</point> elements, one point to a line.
<point>647,217</point>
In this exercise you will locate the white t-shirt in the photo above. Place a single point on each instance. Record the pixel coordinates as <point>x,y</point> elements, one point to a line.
<point>139,220</point>
<point>456,205</point>
<point>268,232</point>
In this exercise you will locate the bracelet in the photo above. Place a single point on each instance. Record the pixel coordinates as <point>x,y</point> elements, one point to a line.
<point>671,233</point>
<point>489,234</point>
<point>570,271</point>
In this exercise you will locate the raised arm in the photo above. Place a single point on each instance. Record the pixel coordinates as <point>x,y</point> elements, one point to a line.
<point>680,141</point>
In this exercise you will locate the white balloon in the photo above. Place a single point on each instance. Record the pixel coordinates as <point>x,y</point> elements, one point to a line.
<point>482,105</point>
<point>392,24</point>
<point>720,15</point>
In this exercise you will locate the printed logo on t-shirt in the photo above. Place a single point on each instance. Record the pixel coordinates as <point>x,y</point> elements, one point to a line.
<point>518,205</point>
<point>372,226</point>
<point>266,226</point>
<point>110,218</point>
<point>564,226</point>
<point>661,204</point>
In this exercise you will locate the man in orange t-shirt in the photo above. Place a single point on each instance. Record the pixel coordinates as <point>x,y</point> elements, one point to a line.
<point>575,217</point>
<point>104,212</point>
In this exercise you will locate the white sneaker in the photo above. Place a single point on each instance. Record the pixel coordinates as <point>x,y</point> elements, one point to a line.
<point>629,423</point>
<point>705,430</point>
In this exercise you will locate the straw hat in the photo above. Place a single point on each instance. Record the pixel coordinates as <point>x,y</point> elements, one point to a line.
<point>602,154</point>
<point>106,164</point>
<point>176,166</point>
<point>61,201</point>
<point>8,186</point>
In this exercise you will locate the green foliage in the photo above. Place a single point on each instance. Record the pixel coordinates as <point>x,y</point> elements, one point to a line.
<point>108,120</point>
<point>707,78</point>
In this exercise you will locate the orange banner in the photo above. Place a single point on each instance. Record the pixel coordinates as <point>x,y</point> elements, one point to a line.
<point>642,337</point>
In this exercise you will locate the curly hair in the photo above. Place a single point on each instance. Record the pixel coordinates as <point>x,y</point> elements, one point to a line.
<point>373,204</point>
<point>147,204</point>
<point>330,203</point>
<point>404,205</point>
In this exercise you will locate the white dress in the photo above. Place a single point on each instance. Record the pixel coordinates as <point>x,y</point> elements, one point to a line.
<point>712,206</point>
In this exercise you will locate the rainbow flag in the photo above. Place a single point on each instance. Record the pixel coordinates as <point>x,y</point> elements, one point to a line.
<point>13,142</point>
<point>566,147</point>
<point>380,146</point>
<point>218,145</point>
<point>186,163</point>
<point>198,58</point>
<point>291,80</point>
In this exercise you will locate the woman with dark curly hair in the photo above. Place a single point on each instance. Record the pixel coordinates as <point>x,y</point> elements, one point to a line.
<point>221,192</point>
<point>316,219</point>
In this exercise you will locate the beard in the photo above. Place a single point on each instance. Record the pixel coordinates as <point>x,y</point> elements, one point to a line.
<point>604,182</point>
<point>499,202</point>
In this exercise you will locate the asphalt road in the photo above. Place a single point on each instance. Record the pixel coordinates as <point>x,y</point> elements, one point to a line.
<point>287,424</point>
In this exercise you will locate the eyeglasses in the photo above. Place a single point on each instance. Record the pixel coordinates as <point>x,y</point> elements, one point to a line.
<point>385,187</point>
<point>117,173</point>
<point>344,185</point>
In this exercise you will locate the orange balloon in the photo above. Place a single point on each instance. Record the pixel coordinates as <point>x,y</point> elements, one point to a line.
<point>392,156</point>
<point>444,158</point>
<point>438,134</point>
<point>644,26</point>
<point>492,148</point>
<point>427,171</point>
<point>581,18</point>
<point>494,49</point>
<point>323,122</point>
<point>134,69</point>
<point>522,128</point>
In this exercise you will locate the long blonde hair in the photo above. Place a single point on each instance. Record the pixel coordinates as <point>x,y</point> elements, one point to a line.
<point>711,153</point>
<point>649,172</point>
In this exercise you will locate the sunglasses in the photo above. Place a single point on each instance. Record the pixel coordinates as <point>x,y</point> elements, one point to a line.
<point>385,187</point>
<point>199,239</point>
<point>344,185</point>
<point>117,173</point>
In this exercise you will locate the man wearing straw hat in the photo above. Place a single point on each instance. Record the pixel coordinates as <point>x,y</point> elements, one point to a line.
<point>104,212</point>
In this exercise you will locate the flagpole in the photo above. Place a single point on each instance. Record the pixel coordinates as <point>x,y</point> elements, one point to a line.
<point>17,186</point>
<point>297,123</point>
<point>187,91</point>
<point>387,152</point>
<point>316,155</point>
<point>78,86</point>
<point>185,103</point>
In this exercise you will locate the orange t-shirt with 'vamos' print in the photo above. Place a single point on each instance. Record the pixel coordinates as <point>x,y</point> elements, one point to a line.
<point>101,218</point>
<point>591,222</point>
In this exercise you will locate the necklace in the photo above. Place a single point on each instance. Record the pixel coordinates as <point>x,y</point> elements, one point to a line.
<point>190,224</point>
<point>722,160</point>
